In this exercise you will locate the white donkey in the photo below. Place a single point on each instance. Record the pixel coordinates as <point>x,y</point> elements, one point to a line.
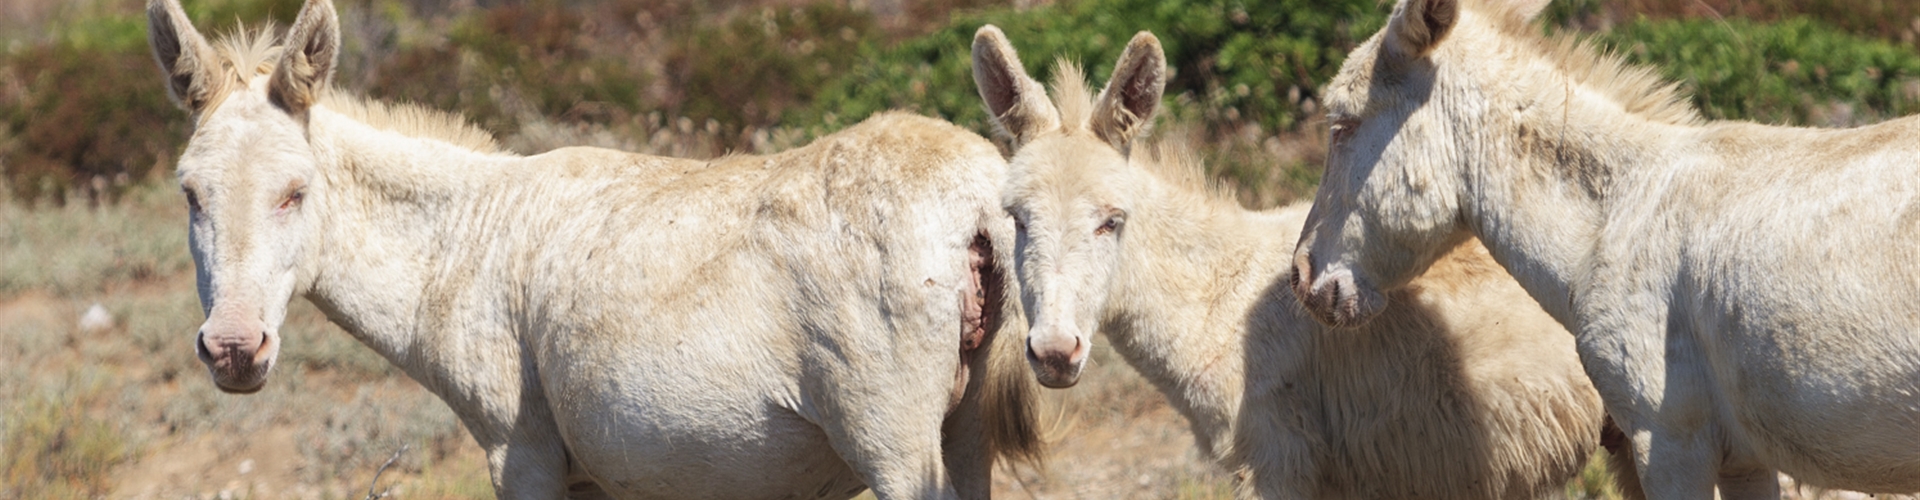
<point>1466,391</point>
<point>1746,297</point>
<point>799,325</point>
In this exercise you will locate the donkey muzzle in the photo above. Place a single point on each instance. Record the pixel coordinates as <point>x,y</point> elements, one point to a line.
<point>237,355</point>
<point>1334,298</point>
<point>1057,359</point>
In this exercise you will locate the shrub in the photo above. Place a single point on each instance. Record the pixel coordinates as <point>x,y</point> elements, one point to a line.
<point>500,66</point>
<point>749,70</point>
<point>75,114</point>
<point>1253,61</point>
<point>1891,21</point>
<point>1797,71</point>
<point>85,109</point>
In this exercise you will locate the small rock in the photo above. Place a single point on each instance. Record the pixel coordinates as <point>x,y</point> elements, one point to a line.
<point>96,319</point>
<point>246,466</point>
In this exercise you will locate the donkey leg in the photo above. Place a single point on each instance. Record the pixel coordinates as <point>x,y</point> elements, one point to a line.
<point>900,470</point>
<point>1655,386</point>
<point>886,424</point>
<point>965,455</point>
<point>894,450</point>
<point>1281,464</point>
<point>528,469</point>
<point>964,444</point>
<point>1676,465</point>
<point>1749,484</point>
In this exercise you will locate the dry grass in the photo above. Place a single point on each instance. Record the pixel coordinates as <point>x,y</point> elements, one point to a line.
<point>126,411</point>
<point>1114,436</point>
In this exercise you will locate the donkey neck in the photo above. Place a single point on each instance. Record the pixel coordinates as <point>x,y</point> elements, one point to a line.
<point>393,201</point>
<point>1192,271</point>
<point>1543,192</point>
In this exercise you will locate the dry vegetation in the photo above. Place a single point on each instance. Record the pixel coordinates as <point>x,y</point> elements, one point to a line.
<point>89,215</point>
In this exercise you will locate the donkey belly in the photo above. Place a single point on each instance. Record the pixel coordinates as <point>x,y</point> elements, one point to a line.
<point>693,417</point>
<point>1808,315</point>
<point>1842,418</point>
<point>691,445</point>
<point>1821,394</point>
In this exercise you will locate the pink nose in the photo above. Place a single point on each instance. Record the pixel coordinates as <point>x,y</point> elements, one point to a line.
<point>1057,359</point>
<point>238,353</point>
<point>1335,299</point>
<point>1302,279</point>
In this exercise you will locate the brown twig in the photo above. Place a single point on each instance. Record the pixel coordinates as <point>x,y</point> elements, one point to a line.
<point>382,470</point>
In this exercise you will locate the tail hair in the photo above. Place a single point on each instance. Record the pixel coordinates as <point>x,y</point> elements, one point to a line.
<point>1009,393</point>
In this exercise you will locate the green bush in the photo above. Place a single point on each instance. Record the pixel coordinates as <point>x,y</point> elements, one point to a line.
<point>1796,71</point>
<point>80,101</point>
<point>90,106</point>
<point>748,71</point>
<point>499,65</point>
<point>87,107</point>
<point>1895,21</point>
<point>1239,60</point>
<point>1260,62</point>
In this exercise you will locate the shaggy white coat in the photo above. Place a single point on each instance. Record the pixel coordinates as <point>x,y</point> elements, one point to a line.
<point>1746,297</point>
<point>1464,389</point>
<point>609,324</point>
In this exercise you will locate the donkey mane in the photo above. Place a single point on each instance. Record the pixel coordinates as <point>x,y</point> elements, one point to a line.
<point>1637,88</point>
<point>1173,161</point>
<point>249,53</point>
<point>1071,96</point>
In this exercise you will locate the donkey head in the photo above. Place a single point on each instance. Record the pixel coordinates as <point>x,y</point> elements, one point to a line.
<point>1070,216</point>
<point>250,175</point>
<point>1403,134</point>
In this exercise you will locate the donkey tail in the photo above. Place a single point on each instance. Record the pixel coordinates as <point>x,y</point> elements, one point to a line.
<point>1009,394</point>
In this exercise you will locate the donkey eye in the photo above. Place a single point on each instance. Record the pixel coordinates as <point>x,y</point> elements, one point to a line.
<point>293,199</point>
<point>193,202</point>
<point>1113,223</point>
<point>1342,128</point>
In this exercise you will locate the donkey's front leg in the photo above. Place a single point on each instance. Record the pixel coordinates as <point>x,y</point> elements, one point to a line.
<point>528,464</point>
<point>1752,484</point>
<point>525,452</point>
<point>1654,386</point>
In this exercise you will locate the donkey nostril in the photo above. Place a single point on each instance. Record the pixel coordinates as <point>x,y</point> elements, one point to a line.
<point>200,347</point>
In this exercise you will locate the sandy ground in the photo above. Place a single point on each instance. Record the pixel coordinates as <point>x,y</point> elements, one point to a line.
<point>322,428</point>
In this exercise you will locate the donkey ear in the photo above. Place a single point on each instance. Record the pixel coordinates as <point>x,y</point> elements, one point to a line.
<point>1417,26</point>
<point>310,52</point>
<point>185,59</point>
<point>1018,104</point>
<point>1126,106</point>
<point>1527,10</point>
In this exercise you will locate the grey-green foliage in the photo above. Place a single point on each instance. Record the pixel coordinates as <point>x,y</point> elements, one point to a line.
<point>1237,59</point>
<point>1796,71</point>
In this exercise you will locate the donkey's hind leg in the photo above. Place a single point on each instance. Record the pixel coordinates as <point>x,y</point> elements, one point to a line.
<point>964,445</point>
<point>885,420</point>
<point>895,451</point>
